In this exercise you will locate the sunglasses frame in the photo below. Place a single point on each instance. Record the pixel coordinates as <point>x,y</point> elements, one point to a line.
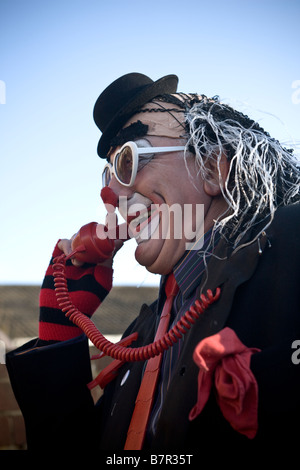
<point>136,152</point>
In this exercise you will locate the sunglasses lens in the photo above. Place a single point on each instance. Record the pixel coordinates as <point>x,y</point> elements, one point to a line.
<point>123,165</point>
<point>106,177</point>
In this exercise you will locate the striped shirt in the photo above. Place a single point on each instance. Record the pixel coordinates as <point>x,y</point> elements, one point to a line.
<point>188,274</point>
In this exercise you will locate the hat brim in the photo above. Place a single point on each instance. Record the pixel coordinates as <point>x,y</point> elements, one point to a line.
<point>167,84</point>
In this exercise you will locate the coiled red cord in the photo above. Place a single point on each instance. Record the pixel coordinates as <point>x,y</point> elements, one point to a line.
<point>117,351</point>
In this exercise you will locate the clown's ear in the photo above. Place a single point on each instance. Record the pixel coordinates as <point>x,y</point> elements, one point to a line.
<point>217,172</point>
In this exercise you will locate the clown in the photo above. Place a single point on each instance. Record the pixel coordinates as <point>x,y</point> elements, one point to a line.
<point>229,380</point>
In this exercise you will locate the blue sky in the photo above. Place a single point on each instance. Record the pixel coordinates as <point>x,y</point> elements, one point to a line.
<point>57,56</point>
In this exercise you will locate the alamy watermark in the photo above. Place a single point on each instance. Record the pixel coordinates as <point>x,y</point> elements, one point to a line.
<point>2,92</point>
<point>157,222</point>
<point>296,93</point>
<point>296,354</point>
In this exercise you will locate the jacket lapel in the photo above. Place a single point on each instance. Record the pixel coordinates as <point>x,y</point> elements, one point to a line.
<point>227,273</point>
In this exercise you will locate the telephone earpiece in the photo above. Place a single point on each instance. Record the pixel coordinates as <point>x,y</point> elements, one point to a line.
<point>89,248</point>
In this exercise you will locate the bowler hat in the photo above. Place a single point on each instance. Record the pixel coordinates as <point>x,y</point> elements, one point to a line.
<point>122,98</point>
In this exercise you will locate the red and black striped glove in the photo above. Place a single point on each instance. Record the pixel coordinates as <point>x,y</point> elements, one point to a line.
<point>88,286</point>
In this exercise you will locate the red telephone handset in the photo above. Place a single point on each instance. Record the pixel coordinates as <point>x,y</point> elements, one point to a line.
<point>88,246</point>
<point>94,242</point>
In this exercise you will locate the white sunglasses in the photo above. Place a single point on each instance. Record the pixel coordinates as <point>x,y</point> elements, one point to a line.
<point>127,162</point>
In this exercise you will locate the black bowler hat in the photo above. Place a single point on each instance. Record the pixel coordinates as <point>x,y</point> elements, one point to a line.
<point>122,98</point>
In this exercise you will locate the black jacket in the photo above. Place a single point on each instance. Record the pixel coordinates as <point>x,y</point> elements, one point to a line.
<point>260,300</point>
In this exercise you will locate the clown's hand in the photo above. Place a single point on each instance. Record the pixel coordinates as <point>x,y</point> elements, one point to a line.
<point>66,246</point>
<point>88,285</point>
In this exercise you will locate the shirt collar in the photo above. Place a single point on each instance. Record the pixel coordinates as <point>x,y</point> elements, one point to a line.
<point>190,267</point>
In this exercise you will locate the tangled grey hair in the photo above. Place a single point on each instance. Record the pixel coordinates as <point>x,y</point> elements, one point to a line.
<point>263,175</point>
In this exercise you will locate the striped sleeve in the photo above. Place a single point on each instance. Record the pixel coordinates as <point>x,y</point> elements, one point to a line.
<point>88,286</point>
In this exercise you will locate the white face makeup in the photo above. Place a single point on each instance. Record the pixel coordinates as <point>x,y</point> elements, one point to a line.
<point>142,216</point>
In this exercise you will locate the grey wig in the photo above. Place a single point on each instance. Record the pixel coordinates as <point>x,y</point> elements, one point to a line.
<point>263,175</point>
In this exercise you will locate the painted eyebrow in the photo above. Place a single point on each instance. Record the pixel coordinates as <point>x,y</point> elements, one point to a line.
<point>132,132</point>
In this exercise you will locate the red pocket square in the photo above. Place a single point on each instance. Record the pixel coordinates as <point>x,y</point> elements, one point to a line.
<point>224,361</point>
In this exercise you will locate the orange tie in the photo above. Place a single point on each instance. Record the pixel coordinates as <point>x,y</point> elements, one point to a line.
<point>144,401</point>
